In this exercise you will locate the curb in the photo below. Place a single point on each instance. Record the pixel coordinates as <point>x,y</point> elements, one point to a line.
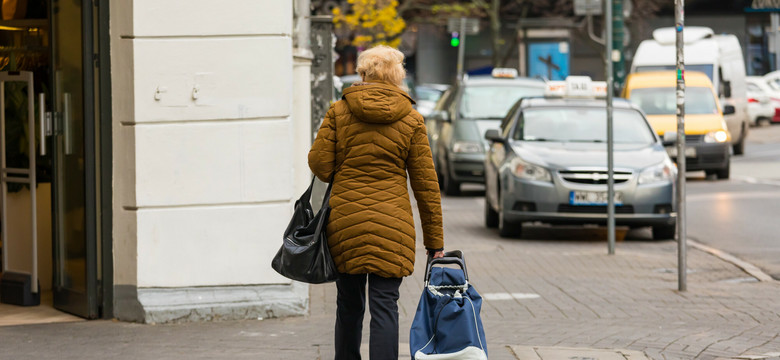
<point>747,267</point>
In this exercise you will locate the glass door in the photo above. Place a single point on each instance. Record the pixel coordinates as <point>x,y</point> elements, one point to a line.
<point>72,103</point>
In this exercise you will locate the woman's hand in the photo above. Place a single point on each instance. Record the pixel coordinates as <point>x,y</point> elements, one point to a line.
<point>437,254</point>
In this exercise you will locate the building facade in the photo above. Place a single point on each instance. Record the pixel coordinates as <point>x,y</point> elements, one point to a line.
<point>179,141</point>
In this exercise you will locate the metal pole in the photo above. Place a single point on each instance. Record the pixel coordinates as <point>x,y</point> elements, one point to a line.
<point>610,140</point>
<point>461,48</point>
<point>775,24</point>
<point>618,26</point>
<point>681,234</point>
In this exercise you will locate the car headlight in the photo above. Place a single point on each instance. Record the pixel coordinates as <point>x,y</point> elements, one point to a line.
<point>664,171</point>
<point>526,170</point>
<point>468,147</point>
<point>716,137</point>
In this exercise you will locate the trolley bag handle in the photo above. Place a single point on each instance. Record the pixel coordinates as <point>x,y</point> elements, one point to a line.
<point>450,257</point>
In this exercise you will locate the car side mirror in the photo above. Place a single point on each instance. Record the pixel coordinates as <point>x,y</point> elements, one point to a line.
<point>494,136</point>
<point>729,109</point>
<point>670,137</point>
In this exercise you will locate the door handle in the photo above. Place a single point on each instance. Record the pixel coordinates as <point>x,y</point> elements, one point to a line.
<point>66,126</point>
<point>44,122</point>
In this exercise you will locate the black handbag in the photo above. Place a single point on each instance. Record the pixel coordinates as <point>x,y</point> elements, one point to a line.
<point>304,255</point>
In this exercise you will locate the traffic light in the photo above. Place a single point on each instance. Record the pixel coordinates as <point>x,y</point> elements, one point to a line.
<point>455,39</point>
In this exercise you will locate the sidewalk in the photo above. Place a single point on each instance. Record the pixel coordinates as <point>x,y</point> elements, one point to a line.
<point>544,299</point>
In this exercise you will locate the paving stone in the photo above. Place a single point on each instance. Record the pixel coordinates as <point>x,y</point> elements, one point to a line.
<point>587,300</point>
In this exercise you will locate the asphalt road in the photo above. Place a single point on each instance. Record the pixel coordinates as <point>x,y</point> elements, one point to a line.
<point>742,215</point>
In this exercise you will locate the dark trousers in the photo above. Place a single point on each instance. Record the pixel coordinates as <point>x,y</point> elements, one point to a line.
<point>383,306</point>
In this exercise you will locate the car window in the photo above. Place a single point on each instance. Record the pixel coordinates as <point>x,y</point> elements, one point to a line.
<point>493,102</point>
<point>506,123</point>
<point>707,69</point>
<point>663,101</point>
<point>505,130</point>
<point>428,94</point>
<point>774,84</point>
<point>571,124</point>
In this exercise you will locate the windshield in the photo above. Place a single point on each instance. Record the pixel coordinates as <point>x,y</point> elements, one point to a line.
<point>493,102</point>
<point>663,101</point>
<point>705,68</point>
<point>428,94</point>
<point>774,84</point>
<point>583,125</point>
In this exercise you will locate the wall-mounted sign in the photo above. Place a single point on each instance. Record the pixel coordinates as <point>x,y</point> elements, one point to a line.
<point>596,7</point>
<point>764,6</point>
<point>548,60</point>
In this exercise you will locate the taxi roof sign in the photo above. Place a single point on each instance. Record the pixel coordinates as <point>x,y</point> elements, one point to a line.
<point>576,87</point>
<point>508,73</point>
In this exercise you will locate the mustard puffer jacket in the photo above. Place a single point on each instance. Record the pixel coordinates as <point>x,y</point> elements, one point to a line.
<point>371,139</point>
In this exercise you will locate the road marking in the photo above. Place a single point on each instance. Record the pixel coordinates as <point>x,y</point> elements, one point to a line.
<point>753,154</point>
<point>752,180</point>
<point>508,296</point>
<point>732,196</point>
<point>747,267</point>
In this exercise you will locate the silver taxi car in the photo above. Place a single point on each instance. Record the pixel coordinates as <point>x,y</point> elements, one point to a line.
<point>548,163</point>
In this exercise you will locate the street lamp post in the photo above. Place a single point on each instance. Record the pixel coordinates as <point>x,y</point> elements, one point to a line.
<point>610,140</point>
<point>679,16</point>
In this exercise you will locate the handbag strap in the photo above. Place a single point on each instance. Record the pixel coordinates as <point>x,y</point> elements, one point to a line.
<point>306,196</point>
<point>326,198</point>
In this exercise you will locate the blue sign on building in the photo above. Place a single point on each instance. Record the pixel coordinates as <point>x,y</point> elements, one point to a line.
<point>548,60</point>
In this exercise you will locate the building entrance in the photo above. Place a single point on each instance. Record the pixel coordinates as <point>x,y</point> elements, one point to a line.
<point>49,72</point>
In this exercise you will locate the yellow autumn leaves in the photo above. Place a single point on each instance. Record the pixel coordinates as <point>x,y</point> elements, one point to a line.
<point>373,22</point>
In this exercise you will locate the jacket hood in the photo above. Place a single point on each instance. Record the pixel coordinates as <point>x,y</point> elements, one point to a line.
<point>377,102</point>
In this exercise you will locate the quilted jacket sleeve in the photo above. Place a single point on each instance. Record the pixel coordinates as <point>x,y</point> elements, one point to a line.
<point>322,156</point>
<point>425,185</point>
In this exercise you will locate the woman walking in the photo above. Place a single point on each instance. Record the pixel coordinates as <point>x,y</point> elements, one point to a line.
<point>367,144</point>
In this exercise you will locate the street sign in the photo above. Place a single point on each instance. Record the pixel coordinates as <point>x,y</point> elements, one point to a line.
<point>594,7</point>
<point>764,6</point>
<point>472,26</point>
<point>588,7</point>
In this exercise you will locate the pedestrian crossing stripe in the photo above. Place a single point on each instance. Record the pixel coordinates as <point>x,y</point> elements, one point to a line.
<point>508,296</point>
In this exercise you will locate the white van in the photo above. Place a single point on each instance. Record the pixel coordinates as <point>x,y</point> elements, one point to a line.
<point>718,56</point>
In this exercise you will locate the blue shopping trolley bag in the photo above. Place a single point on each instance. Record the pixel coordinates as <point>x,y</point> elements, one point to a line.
<point>447,324</point>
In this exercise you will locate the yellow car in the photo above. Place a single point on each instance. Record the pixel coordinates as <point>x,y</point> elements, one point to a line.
<point>707,138</point>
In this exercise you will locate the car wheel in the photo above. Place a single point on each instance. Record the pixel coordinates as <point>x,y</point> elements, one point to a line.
<point>739,148</point>
<point>491,216</point>
<point>508,229</point>
<point>724,173</point>
<point>664,232</point>
<point>451,187</point>
<point>764,121</point>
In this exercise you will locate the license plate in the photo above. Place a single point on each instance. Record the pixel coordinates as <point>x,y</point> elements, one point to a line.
<point>592,198</point>
<point>690,152</point>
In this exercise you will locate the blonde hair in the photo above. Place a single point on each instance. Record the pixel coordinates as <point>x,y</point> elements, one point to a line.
<point>382,63</point>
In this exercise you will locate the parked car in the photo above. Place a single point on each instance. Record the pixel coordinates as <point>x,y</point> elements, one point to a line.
<point>761,107</point>
<point>457,125</point>
<point>706,133</point>
<point>719,56</point>
<point>773,80</point>
<point>427,96</point>
<point>548,163</point>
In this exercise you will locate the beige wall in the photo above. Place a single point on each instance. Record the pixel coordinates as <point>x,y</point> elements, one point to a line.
<point>206,152</point>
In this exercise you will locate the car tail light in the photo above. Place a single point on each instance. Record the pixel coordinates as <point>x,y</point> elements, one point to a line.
<point>753,100</point>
